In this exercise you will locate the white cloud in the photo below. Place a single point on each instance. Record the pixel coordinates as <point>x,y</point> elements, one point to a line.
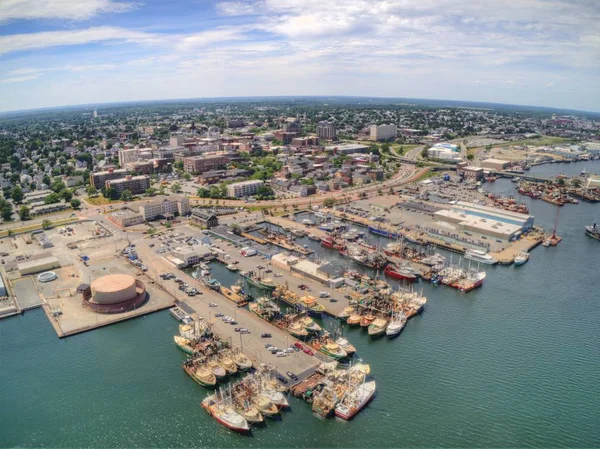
<point>20,79</point>
<point>549,85</point>
<point>59,9</point>
<point>20,42</point>
<point>206,38</point>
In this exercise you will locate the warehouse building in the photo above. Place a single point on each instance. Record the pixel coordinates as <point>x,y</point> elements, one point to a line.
<point>37,266</point>
<point>485,220</point>
<point>495,164</point>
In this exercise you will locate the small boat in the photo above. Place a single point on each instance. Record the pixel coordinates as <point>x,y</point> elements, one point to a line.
<point>249,413</point>
<point>354,319</point>
<point>204,273</point>
<point>237,289</point>
<point>310,325</point>
<point>367,320</point>
<point>227,362</point>
<point>522,258</point>
<point>297,330</point>
<point>311,305</point>
<point>480,256</point>
<point>333,350</point>
<point>258,282</point>
<point>211,283</point>
<point>232,267</point>
<point>593,231</point>
<point>225,416</point>
<point>377,327</point>
<point>314,237</point>
<point>404,273</point>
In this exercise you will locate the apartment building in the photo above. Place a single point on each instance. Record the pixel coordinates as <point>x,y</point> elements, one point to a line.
<point>382,132</point>
<point>98,179</point>
<point>326,131</point>
<point>135,184</point>
<point>165,207</point>
<point>205,162</point>
<point>244,188</point>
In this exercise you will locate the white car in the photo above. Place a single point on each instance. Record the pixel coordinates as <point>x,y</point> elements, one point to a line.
<point>281,354</point>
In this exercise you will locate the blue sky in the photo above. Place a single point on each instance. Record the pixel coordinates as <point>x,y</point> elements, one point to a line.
<point>535,52</point>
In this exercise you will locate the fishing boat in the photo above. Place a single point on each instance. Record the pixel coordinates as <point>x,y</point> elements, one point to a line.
<point>344,314</point>
<point>227,362</point>
<point>311,305</point>
<point>297,329</point>
<point>232,267</point>
<point>200,373</point>
<point>332,350</point>
<point>396,325</point>
<point>593,231</point>
<point>259,282</point>
<point>354,319</point>
<point>265,308</point>
<point>480,256</point>
<point>314,237</point>
<point>242,361</point>
<point>184,344</point>
<point>383,232</point>
<point>225,416</point>
<point>522,258</point>
<point>211,283</point>
<point>324,402</point>
<point>265,405</point>
<point>404,273</point>
<point>187,331</point>
<point>367,320</point>
<point>377,327</point>
<point>346,346</point>
<point>276,398</point>
<point>309,324</point>
<point>355,401</point>
<point>219,371</point>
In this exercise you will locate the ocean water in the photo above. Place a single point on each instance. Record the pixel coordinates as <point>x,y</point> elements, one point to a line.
<point>515,363</point>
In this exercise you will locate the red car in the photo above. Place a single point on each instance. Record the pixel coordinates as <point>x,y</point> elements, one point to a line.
<point>299,345</point>
<point>308,351</point>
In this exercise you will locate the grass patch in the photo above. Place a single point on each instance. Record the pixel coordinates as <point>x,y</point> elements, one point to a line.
<point>100,201</point>
<point>35,227</point>
<point>428,174</point>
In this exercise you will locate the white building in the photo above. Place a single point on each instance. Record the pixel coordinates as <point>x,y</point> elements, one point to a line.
<point>326,131</point>
<point>153,209</point>
<point>244,188</point>
<point>127,156</point>
<point>444,153</point>
<point>383,132</point>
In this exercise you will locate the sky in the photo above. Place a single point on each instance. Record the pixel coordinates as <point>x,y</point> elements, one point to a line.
<point>532,52</point>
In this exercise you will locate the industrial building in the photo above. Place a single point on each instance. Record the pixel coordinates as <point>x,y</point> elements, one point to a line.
<point>316,272</point>
<point>244,188</point>
<point>187,257</point>
<point>495,164</point>
<point>469,172</point>
<point>347,148</point>
<point>38,265</point>
<point>486,220</point>
<point>204,219</point>
<point>383,132</point>
<point>125,218</point>
<point>3,291</point>
<point>447,154</point>
<point>114,293</point>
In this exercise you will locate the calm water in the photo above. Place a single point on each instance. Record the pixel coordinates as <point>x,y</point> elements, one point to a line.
<point>516,363</point>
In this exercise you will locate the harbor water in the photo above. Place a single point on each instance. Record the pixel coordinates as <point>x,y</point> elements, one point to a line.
<point>514,363</point>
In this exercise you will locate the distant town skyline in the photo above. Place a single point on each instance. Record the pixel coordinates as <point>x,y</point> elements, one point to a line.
<point>525,52</point>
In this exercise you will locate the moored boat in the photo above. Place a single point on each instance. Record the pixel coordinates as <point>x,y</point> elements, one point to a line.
<point>211,283</point>
<point>265,405</point>
<point>522,258</point>
<point>200,373</point>
<point>354,319</point>
<point>259,282</point>
<point>367,320</point>
<point>346,345</point>
<point>184,344</point>
<point>377,327</point>
<point>232,267</point>
<point>480,256</point>
<point>355,401</point>
<point>242,361</point>
<point>593,231</point>
<point>396,325</point>
<point>403,273</point>
<point>226,416</point>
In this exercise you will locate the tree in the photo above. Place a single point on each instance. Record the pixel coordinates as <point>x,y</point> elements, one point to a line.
<point>178,165</point>
<point>560,181</point>
<point>470,157</point>
<point>53,198</point>
<point>424,153</point>
<point>329,202</point>
<point>17,194</point>
<point>126,195</point>
<point>75,203</point>
<point>66,195</point>
<point>91,191</point>
<point>176,187</point>
<point>150,191</point>
<point>24,213</point>
<point>57,186</point>
<point>46,224</point>
<point>236,229</point>
<point>576,183</point>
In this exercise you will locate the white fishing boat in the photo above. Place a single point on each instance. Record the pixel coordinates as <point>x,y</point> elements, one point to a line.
<point>355,401</point>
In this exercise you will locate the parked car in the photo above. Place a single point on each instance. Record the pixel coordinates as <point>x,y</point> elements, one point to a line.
<point>292,375</point>
<point>308,351</point>
<point>265,335</point>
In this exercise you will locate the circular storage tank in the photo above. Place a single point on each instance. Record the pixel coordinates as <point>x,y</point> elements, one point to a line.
<point>48,276</point>
<point>114,288</point>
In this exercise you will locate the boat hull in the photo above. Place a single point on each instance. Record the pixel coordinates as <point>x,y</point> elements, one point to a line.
<point>399,275</point>
<point>260,285</point>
